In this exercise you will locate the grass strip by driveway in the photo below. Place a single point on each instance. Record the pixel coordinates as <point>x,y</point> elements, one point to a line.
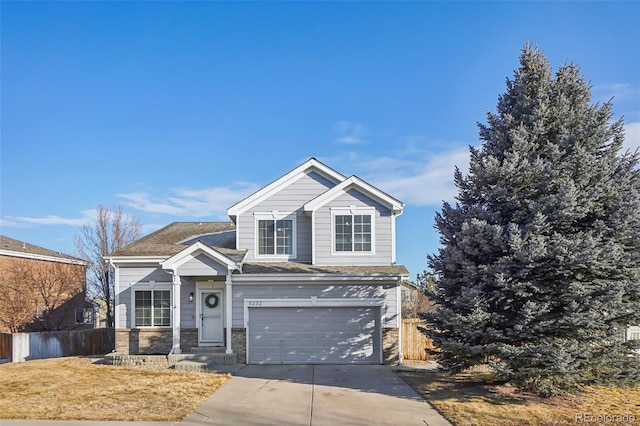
<point>76,389</point>
<point>473,398</point>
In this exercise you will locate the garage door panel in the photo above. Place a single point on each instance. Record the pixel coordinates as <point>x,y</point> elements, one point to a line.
<point>314,335</point>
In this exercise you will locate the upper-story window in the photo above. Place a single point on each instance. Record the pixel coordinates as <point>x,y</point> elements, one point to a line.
<point>353,230</point>
<point>275,234</point>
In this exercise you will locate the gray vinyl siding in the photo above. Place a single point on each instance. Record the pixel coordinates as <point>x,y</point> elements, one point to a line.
<point>132,275</point>
<point>128,277</point>
<point>187,309</point>
<point>290,199</point>
<point>293,291</point>
<point>202,265</point>
<point>382,230</point>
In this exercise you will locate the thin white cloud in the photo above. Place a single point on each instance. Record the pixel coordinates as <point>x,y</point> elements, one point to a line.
<point>618,91</point>
<point>50,220</point>
<point>431,182</point>
<point>415,176</point>
<point>350,133</point>
<point>631,137</point>
<point>188,202</point>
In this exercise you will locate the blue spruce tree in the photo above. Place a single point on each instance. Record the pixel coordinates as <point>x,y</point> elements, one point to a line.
<point>539,265</point>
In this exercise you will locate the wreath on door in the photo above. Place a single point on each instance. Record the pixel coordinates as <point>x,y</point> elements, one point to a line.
<point>211,301</point>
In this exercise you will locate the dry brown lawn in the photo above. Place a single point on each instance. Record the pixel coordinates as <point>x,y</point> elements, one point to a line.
<point>474,399</point>
<point>75,389</point>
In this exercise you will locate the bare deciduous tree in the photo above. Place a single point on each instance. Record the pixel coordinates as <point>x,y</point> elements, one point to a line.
<point>112,230</point>
<point>33,293</point>
<point>417,302</point>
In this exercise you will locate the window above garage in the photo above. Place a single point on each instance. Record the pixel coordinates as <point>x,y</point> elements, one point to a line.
<point>275,235</point>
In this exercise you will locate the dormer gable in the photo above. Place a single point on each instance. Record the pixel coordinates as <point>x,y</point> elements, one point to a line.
<point>311,165</point>
<point>200,256</point>
<point>359,185</point>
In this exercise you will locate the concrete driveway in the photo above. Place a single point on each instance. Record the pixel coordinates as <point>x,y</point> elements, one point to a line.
<point>315,395</point>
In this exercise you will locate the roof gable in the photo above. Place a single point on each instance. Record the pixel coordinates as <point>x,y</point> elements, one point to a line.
<point>194,250</point>
<point>16,248</point>
<point>359,185</point>
<point>262,194</point>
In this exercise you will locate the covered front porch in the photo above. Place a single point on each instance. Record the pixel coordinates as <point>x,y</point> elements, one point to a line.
<point>201,294</point>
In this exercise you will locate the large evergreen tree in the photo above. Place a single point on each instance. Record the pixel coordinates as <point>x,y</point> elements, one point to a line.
<point>539,268</point>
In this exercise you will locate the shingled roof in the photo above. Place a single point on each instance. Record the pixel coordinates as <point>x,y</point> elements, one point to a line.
<point>175,237</point>
<point>9,247</point>
<point>304,268</point>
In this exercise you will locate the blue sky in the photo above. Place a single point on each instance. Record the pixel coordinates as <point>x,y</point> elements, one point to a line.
<point>178,110</point>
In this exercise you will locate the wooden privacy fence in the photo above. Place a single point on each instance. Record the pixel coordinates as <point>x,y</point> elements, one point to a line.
<point>414,342</point>
<point>55,344</point>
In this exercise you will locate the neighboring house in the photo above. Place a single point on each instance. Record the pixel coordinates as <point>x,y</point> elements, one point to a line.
<point>305,272</point>
<point>42,289</point>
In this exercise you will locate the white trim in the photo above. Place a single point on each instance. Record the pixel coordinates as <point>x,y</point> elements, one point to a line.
<point>116,299</point>
<point>274,216</point>
<point>353,210</point>
<point>354,182</point>
<point>189,253</point>
<point>313,238</point>
<point>228,289</point>
<point>150,286</point>
<point>311,278</point>
<point>135,259</point>
<point>393,235</point>
<point>12,253</point>
<point>175,313</point>
<point>399,320</point>
<point>281,183</point>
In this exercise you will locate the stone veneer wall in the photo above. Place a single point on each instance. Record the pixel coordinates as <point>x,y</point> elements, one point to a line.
<point>139,341</point>
<point>239,344</point>
<point>390,350</point>
<point>188,339</point>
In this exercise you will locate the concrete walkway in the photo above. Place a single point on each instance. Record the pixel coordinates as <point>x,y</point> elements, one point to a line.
<point>315,395</point>
<point>311,395</point>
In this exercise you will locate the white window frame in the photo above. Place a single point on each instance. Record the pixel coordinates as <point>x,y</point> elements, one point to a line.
<point>274,216</point>
<point>357,211</point>
<point>151,286</point>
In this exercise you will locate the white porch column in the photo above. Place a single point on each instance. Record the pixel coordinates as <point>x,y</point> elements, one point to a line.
<point>176,314</point>
<point>228,308</point>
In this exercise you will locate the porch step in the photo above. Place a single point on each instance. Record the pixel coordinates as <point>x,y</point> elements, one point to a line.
<point>202,358</point>
<point>187,365</point>
<point>208,350</point>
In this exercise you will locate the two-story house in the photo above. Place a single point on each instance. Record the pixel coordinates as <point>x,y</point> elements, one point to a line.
<point>305,272</point>
<point>42,289</point>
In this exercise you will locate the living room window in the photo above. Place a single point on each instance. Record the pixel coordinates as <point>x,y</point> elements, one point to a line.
<point>353,232</point>
<point>153,308</point>
<point>275,235</point>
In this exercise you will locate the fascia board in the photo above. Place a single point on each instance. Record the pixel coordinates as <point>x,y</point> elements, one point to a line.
<point>295,278</point>
<point>281,183</point>
<point>185,255</point>
<point>120,260</point>
<point>11,253</point>
<point>356,183</point>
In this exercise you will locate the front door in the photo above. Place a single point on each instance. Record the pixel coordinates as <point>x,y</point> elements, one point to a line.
<point>211,317</point>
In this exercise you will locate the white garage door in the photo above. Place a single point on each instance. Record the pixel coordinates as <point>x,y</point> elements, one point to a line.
<point>314,335</point>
